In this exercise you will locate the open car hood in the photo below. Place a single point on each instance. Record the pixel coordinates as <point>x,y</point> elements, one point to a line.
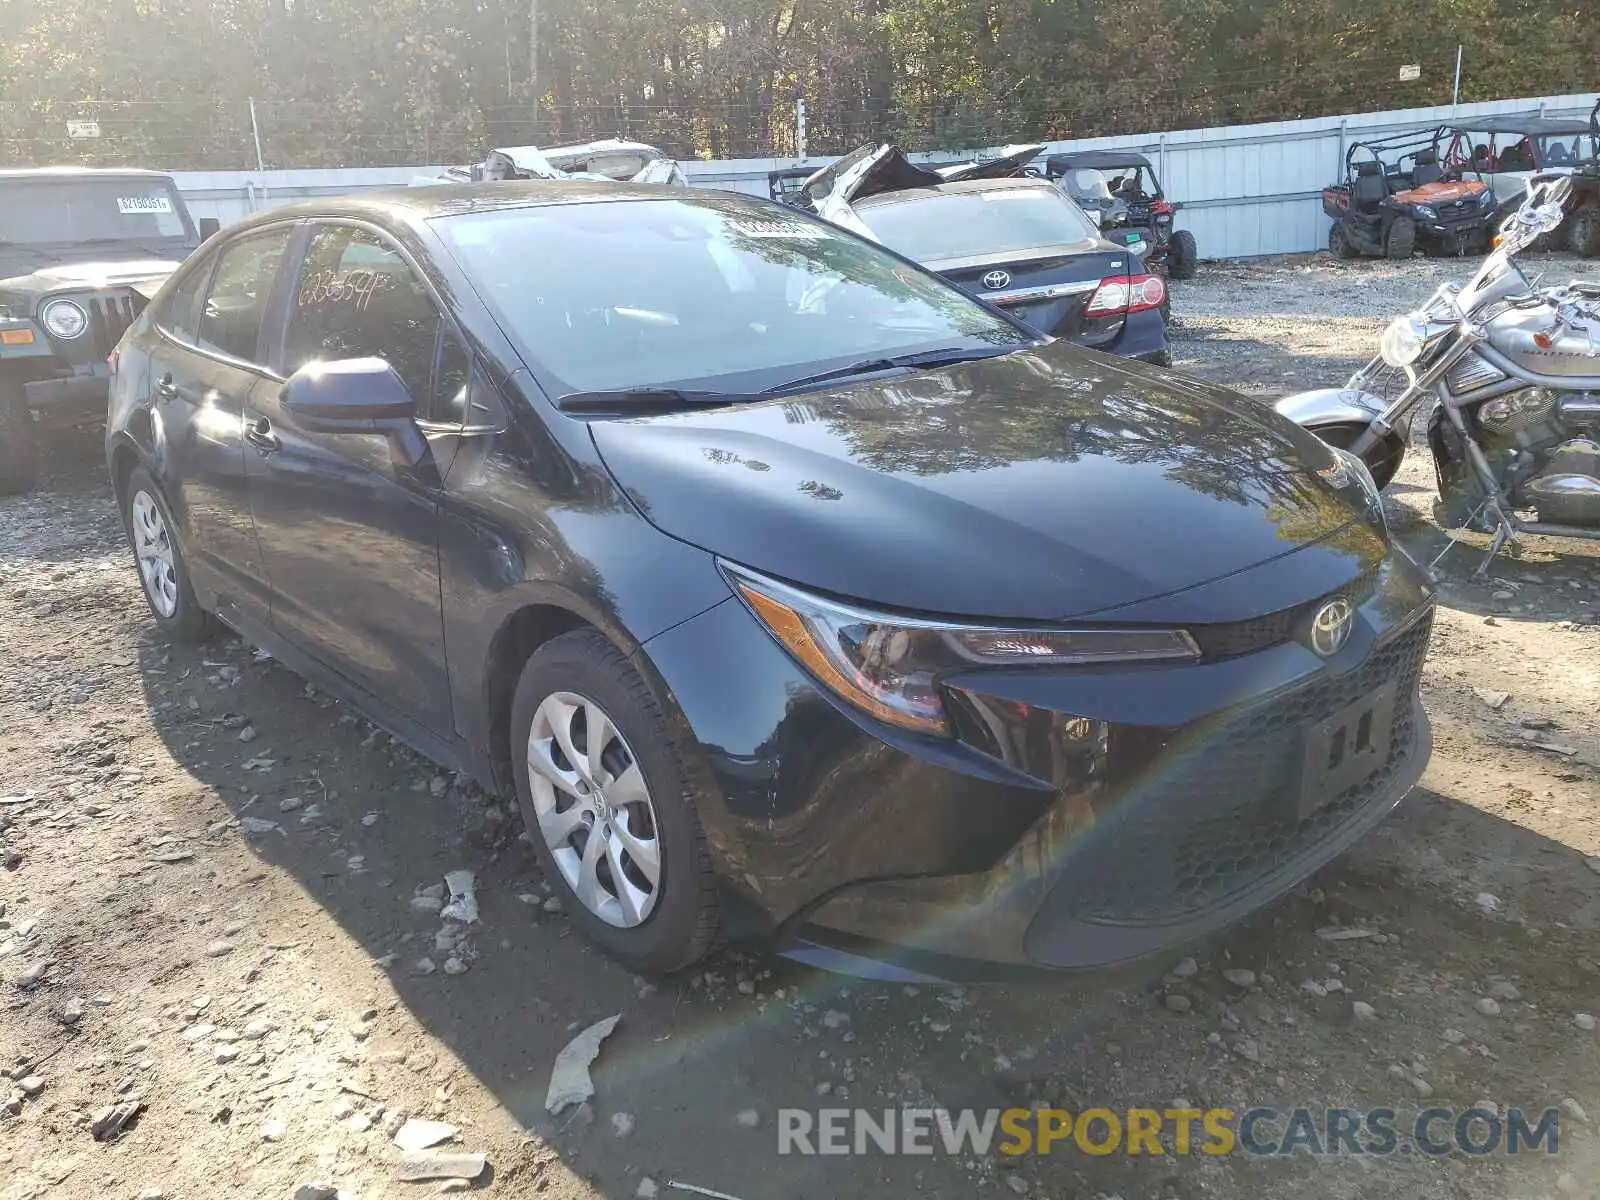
<point>609,161</point>
<point>872,169</point>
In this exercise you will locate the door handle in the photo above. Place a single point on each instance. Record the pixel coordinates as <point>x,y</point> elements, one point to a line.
<point>166,389</point>
<point>259,434</point>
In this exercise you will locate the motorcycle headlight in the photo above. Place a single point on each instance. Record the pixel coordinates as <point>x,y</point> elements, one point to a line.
<point>890,666</point>
<point>1428,211</point>
<point>64,319</point>
<point>1402,343</point>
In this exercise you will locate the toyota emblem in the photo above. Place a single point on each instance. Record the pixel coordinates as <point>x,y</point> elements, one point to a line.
<point>995,280</point>
<point>1330,628</point>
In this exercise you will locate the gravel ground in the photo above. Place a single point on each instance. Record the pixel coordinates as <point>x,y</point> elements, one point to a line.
<point>220,899</point>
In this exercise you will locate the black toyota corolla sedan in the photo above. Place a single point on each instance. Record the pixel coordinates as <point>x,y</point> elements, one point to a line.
<point>796,595</point>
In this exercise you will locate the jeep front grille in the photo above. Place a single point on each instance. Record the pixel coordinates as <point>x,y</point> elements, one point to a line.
<point>109,318</point>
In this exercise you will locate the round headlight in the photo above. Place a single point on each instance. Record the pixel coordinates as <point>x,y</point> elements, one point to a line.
<point>64,319</point>
<point>1401,344</point>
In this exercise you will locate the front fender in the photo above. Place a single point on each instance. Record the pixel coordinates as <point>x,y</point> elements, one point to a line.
<point>1330,406</point>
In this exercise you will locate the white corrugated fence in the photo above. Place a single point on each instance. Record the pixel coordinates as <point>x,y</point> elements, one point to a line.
<point>1246,190</point>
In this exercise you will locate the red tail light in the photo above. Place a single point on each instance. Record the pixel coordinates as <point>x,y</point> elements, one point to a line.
<point>114,360</point>
<point>1164,206</point>
<point>1120,294</point>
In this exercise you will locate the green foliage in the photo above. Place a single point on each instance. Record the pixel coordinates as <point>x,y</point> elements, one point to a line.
<point>429,81</point>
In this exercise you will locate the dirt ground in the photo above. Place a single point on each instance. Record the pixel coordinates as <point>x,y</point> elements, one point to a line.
<point>214,901</point>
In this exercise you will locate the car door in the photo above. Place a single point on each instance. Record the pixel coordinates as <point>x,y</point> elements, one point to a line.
<point>350,533</point>
<point>205,363</point>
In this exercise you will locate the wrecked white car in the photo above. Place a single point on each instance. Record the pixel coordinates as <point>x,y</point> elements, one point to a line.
<point>608,159</point>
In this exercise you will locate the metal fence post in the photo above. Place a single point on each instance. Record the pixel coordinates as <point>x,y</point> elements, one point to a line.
<point>255,132</point>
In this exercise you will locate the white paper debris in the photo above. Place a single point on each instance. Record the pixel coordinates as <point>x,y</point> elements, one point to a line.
<point>463,904</point>
<point>417,1134</point>
<point>569,1078</point>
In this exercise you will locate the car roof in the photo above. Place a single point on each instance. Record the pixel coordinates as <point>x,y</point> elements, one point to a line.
<point>21,173</point>
<point>1531,124</point>
<point>413,204</point>
<point>954,189</point>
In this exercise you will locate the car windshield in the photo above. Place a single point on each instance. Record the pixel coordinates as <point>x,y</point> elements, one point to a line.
<point>970,224</point>
<point>48,211</point>
<point>709,292</point>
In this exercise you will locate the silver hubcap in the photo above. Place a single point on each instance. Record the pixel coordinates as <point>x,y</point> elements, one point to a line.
<point>594,810</point>
<point>158,567</point>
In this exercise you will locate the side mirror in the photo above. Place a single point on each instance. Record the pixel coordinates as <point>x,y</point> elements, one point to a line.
<point>209,226</point>
<point>358,395</point>
<point>353,395</point>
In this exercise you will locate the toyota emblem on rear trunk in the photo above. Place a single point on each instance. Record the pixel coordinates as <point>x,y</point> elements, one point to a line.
<point>1330,628</point>
<point>995,280</point>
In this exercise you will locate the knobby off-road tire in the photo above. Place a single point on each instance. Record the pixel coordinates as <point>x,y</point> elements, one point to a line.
<point>19,447</point>
<point>1183,255</point>
<point>1583,231</point>
<point>572,685</point>
<point>1339,243</point>
<point>1401,240</point>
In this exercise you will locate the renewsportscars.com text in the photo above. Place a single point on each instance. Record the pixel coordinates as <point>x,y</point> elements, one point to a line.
<point>1179,1131</point>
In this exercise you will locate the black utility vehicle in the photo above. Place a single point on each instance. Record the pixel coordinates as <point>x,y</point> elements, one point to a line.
<point>1120,190</point>
<point>793,593</point>
<point>80,251</point>
<point>1399,197</point>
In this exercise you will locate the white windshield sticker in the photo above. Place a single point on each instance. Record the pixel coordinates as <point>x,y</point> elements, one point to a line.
<point>778,228</point>
<point>130,206</point>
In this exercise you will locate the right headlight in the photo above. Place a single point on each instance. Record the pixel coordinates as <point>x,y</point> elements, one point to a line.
<point>890,666</point>
<point>64,319</point>
<point>1428,211</point>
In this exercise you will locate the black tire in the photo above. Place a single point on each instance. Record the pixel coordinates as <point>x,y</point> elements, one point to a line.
<point>19,447</point>
<point>187,622</point>
<point>1339,242</point>
<point>1400,242</point>
<point>683,925</point>
<point>1583,231</point>
<point>1182,255</point>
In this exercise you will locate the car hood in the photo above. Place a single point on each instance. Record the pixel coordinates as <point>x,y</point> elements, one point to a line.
<point>100,273</point>
<point>1045,484</point>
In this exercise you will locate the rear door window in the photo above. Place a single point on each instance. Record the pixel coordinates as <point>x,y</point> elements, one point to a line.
<point>240,291</point>
<point>179,315</point>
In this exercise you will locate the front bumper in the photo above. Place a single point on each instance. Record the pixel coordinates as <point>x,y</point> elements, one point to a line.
<point>70,399</point>
<point>1082,818</point>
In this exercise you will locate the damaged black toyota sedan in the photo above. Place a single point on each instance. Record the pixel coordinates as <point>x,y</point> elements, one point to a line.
<point>796,595</point>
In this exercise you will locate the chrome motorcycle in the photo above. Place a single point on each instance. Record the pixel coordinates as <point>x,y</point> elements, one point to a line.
<point>1514,375</point>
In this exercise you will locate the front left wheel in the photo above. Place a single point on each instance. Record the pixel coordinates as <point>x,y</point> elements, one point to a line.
<point>163,573</point>
<point>608,800</point>
<point>19,448</point>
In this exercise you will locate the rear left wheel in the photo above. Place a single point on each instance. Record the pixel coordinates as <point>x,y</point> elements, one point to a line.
<point>1339,242</point>
<point>608,802</point>
<point>163,573</point>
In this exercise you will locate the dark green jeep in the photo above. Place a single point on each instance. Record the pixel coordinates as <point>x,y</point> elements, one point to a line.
<point>81,253</point>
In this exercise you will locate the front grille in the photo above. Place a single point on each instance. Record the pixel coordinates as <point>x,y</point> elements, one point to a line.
<point>1219,812</point>
<point>1246,637</point>
<point>109,318</point>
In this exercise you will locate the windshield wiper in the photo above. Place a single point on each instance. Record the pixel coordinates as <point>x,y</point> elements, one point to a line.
<point>632,402</point>
<point>944,357</point>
